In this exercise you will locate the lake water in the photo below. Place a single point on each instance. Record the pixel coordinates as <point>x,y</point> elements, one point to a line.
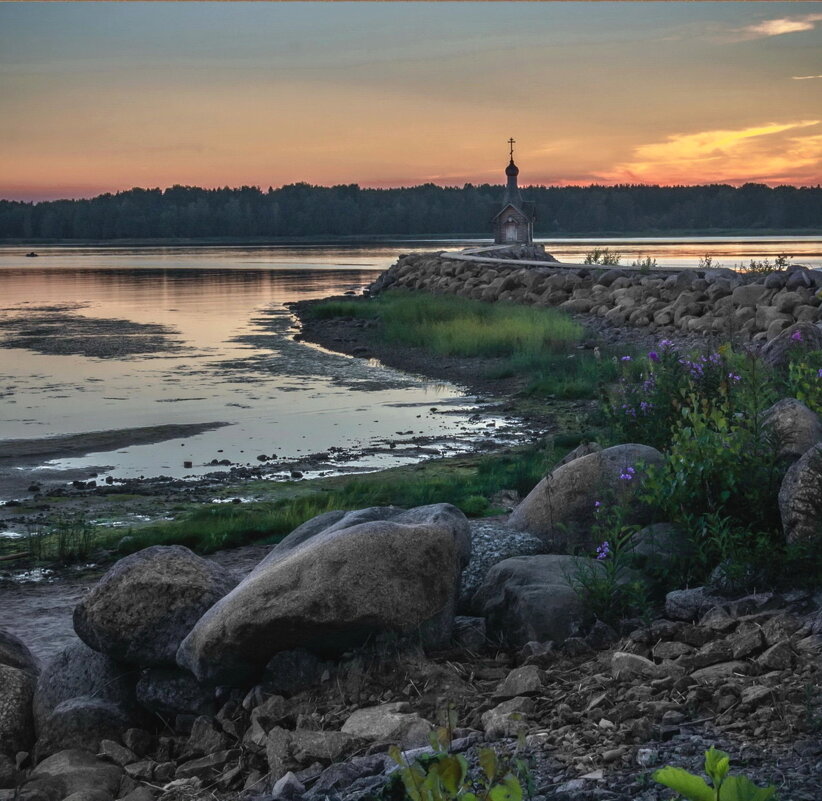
<point>114,338</point>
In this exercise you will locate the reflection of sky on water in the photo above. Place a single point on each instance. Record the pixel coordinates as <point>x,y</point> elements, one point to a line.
<point>238,364</point>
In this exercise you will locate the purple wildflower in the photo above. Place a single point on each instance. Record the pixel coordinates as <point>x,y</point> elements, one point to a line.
<point>603,550</point>
<point>819,373</point>
<point>597,504</point>
<point>796,336</point>
<point>625,358</point>
<point>665,344</point>
<point>644,406</point>
<point>734,377</point>
<point>627,474</point>
<point>653,356</point>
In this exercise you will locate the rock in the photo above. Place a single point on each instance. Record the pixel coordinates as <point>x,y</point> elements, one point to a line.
<point>16,721</point>
<point>750,295</point>
<point>800,498</point>
<point>394,723</point>
<point>722,670</point>
<point>8,772</point>
<point>470,633</point>
<point>334,592</point>
<point>144,606</point>
<point>172,692</point>
<point>746,641</point>
<point>288,788</point>
<point>529,598</point>
<point>142,771</point>
<point>508,718</point>
<point>75,770</point>
<point>583,449</point>
<point>777,657</point>
<point>689,604</point>
<point>796,338</point>
<point>138,740</point>
<point>81,722</point>
<point>560,509</point>
<point>14,653</point>
<point>293,671</point>
<point>288,750</point>
<point>491,543</point>
<point>794,426</point>
<point>325,524</point>
<point>79,671</point>
<point>527,680</point>
<point>629,666</point>
<point>116,753</point>
<point>206,738</point>
<point>661,544</point>
<point>207,767</point>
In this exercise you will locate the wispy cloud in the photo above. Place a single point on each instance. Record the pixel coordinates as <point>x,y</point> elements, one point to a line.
<point>780,26</point>
<point>804,77</point>
<point>770,153</point>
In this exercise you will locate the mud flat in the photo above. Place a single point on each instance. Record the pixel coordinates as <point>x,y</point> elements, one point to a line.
<point>18,457</point>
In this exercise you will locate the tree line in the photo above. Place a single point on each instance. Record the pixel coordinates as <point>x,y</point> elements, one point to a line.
<point>304,210</point>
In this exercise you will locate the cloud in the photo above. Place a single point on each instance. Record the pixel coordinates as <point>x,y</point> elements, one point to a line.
<point>804,77</point>
<point>779,27</point>
<point>768,153</point>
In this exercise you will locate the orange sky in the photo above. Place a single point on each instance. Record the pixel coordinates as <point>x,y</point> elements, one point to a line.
<point>105,96</point>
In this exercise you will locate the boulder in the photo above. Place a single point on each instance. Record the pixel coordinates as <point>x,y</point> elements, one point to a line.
<point>529,598</point>
<point>394,723</point>
<point>793,426</point>
<point>173,692</point>
<point>560,509</point>
<point>78,671</point>
<point>335,591</point>
<point>144,606</point>
<point>796,338</point>
<point>16,723</point>
<point>75,770</point>
<point>800,498</point>
<point>82,722</point>
<point>662,544</point>
<point>326,523</point>
<point>491,542</point>
<point>690,604</point>
<point>14,653</point>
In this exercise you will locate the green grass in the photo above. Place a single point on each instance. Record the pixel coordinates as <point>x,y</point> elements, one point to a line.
<point>538,346</point>
<point>467,483</point>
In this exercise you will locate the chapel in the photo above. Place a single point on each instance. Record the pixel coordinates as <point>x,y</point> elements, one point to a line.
<point>514,223</point>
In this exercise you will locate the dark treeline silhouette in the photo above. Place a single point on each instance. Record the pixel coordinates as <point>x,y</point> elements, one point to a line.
<point>303,210</point>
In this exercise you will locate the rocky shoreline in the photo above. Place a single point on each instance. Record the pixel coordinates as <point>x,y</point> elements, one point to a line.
<point>368,629</point>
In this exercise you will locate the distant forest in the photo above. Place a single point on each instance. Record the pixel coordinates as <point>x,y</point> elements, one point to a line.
<point>303,210</point>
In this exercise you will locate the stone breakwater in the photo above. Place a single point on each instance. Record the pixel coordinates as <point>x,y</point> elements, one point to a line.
<point>714,301</point>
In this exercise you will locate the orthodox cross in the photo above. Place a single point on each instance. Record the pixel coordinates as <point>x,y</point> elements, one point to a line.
<point>511,144</point>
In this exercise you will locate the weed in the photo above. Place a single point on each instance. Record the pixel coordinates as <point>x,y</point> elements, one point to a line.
<point>602,256</point>
<point>722,788</point>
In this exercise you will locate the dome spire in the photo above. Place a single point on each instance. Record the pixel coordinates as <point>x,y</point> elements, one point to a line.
<point>512,194</point>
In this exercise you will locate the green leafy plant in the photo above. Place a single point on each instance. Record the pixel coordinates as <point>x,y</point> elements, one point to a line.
<point>805,378</point>
<point>443,776</point>
<point>723,787</point>
<point>602,256</point>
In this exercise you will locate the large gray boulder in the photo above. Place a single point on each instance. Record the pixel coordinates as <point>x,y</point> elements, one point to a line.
<point>795,339</point>
<point>800,498</point>
<point>530,598</point>
<point>16,723</point>
<point>793,426</point>
<point>169,691</point>
<point>79,671</point>
<point>15,653</point>
<point>335,591</point>
<point>325,524</point>
<point>144,606</point>
<point>560,510</point>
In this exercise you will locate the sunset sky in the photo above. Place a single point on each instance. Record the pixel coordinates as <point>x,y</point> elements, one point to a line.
<point>98,97</point>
